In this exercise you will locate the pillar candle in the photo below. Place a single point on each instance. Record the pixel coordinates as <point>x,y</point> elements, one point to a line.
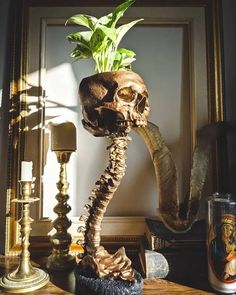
<point>26,171</point>
<point>63,136</point>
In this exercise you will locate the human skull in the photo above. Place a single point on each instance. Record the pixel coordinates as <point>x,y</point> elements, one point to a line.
<point>113,102</point>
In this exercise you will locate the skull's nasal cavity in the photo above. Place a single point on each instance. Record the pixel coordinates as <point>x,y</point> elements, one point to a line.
<point>141,103</point>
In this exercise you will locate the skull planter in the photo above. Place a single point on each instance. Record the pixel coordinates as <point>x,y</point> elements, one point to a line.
<point>112,103</point>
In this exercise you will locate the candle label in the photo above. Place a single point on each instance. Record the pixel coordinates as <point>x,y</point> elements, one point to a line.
<point>222,249</point>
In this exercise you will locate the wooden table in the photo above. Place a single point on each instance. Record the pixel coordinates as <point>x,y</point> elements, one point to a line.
<point>64,282</point>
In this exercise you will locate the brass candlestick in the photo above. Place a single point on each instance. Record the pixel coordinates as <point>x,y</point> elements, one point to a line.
<point>25,278</point>
<point>60,259</point>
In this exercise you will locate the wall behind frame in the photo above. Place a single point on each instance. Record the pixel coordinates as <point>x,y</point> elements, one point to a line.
<point>229,39</point>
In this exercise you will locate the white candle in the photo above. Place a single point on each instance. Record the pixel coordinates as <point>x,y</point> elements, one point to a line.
<point>26,171</point>
<point>63,137</point>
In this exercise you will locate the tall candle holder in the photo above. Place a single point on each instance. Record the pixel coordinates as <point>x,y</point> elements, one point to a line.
<point>60,259</point>
<point>25,278</point>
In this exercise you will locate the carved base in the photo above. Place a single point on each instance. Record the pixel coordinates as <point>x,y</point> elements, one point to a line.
<point>66,262</point>
<point>13,284</point>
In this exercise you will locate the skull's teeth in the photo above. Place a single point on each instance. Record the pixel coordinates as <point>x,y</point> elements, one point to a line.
<point>124,123</point>
<point>140,122</point>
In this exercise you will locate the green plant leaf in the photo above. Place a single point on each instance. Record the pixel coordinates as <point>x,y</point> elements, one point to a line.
<point>100,47</point>
<point>123,59</point>
<point>119,12</point>
<point>101,42</point>
<point>80,37</point>
<point>111,19</point>
<point>81,52</point>
<point>118,56</point>
<point>104,20</point>
<point>101,38</point>
<point>111,33</point>
<point>97,38</point>
<point>83,20</point>
<point>122,30</point>
<point>127,61</point>
<point>126,52</point>
<point>117,61</point>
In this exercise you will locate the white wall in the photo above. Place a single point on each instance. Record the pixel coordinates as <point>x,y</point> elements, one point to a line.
<point>137,194</point>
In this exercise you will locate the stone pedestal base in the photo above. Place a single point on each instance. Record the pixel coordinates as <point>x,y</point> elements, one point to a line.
<point>87,284</point>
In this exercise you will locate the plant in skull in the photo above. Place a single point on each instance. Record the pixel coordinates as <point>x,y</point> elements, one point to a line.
<point>113,101</point>
<point>101,41</point>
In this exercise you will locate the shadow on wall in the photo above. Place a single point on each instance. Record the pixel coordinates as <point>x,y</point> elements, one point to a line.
<point>5,25</point>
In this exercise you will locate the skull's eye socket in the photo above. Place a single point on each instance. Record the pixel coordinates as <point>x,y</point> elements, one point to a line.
<point>127,94</point>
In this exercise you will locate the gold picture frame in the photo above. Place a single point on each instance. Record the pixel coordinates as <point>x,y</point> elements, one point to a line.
<point>19,90</point>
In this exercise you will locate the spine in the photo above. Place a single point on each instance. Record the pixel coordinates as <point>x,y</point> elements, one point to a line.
<point>103,193</point>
